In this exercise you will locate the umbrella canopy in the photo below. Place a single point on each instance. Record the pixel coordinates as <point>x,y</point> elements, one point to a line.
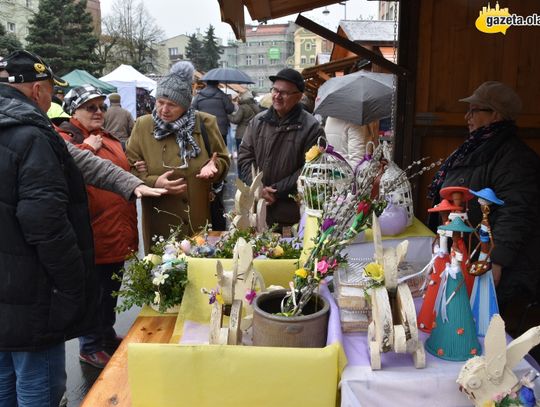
<point>80,77</point>
<point>226,75</point>
<point>361,97</point>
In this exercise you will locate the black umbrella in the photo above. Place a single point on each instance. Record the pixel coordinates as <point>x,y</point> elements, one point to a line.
<point>360,97</point>
<point>227,75</point>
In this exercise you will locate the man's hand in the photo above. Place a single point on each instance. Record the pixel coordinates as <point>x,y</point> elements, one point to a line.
<point>269,195</point>
<point>210,169</point>
<point>140,166</point>
<point>496,269</point>
<point>143,190</point>
<point>94,141</point>
<point>174,187</point>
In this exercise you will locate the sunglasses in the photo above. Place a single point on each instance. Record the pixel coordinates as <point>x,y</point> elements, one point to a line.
<point>94,108</point>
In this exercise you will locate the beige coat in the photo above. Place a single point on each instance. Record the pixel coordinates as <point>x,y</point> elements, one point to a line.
<point>191,209</point>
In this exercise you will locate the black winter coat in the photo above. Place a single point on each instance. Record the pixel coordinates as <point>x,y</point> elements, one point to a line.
<point>214,101</point>
<point>507,165</point>
<point>48,289</point>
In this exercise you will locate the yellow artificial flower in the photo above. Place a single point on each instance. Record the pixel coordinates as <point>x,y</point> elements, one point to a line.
<point>219,299</point>
<point>301,273</point>
<point>153,258</point>
<point>375,271</point>
<point>489,403</point>
<point>312,153</point>
<point>278,251</point>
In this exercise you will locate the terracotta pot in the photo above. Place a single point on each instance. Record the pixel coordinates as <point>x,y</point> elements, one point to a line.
<point>305,331</point>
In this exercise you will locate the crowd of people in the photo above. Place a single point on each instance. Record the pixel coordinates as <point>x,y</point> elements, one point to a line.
<point>69,219</point>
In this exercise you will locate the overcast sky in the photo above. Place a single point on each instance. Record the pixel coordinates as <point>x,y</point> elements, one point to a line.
<point>177,17</point>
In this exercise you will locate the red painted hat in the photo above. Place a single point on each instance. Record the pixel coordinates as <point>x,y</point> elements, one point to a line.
<point>444,206</point>
<point>447,192</point>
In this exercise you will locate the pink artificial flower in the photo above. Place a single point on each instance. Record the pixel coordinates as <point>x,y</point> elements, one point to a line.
<point>363,207</point>
<point>322,266</point>
<point>250,296</point>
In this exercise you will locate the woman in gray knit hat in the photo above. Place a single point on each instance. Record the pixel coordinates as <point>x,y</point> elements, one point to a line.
<point>184,153</point>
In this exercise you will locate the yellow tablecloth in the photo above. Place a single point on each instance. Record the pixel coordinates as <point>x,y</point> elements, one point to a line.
<point>216,375</point>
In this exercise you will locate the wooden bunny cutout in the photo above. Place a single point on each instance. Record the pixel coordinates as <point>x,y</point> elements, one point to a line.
<point>234,287</point>
<point>246,200</point>
<point>392,301</point>
<point>483,378</point>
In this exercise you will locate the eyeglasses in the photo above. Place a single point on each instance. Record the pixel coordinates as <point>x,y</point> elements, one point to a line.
<point>472,111</point>
<point>94,108</point>
<point>282,93</point>
<point>172,167</point>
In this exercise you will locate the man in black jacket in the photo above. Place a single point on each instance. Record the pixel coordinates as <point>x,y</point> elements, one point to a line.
<point>48,289</point>
<point>494,157</point>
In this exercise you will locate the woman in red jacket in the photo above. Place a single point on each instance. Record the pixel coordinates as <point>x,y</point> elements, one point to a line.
<point>114,220</point>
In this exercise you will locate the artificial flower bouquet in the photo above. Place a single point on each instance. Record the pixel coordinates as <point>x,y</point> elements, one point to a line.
<point>158,279</point>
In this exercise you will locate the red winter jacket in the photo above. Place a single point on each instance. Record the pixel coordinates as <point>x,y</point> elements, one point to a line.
<point>114,220</point>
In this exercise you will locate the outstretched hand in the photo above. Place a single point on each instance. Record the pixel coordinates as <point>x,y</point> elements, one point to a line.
<point>175,187</point>
<point>210,169</point>
<point>144,190</point>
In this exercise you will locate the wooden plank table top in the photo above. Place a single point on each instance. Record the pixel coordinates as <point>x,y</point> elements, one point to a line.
<point>111,387</point>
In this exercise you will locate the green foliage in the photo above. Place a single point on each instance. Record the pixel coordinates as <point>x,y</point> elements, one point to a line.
<point>195,52</point>
<point>159,279</point>
<point>8,42</point>
<point>211,49</point>
<point>61,32</point>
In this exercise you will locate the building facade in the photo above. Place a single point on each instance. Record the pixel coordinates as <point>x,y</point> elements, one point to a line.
<point>15,15</point>
<point>171,51</point>
<point>268,48</point>
<point>308,48</point>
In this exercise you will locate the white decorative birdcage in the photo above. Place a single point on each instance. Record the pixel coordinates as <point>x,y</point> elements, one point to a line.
<point>323,176</point>
<point>395,186</point>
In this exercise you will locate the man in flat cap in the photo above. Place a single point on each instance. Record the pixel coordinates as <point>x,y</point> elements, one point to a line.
<point>275,142</point>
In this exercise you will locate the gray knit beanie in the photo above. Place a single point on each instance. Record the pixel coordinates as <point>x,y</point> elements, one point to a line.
<point>177,85</point>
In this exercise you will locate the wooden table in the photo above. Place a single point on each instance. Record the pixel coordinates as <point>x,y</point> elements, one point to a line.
<point>111,387</point>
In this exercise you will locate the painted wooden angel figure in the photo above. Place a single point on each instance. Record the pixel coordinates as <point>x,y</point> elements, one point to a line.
<point>483,297</point>
<point>441,257</point>
<point>453,336</point>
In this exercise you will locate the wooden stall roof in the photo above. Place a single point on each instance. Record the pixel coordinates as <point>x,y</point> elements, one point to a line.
<point>232,11</point>
<point>316,75</point>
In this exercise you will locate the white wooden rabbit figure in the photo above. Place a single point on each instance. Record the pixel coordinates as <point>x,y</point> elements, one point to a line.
<point>245,201</point>
<point>393,327</point>
<point>490,377</point>
<point>235,287</point>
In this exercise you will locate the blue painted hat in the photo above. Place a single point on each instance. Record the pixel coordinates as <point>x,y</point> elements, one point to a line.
<point>489,195</point>
<point>457,225</point>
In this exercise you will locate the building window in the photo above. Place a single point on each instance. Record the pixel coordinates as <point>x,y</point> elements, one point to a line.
<point>261,81</point>
<point>11,27</point>
<point>29,3</point>
<point>312,60</point>
<point>261,59</point>
<point>308,46</point>
<point>274,61</point>
<point>302,60</point>
<point>248,59</point>
<point>173,51</point>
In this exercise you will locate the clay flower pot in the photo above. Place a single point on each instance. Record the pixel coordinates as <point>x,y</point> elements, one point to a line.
<point>304,331</point>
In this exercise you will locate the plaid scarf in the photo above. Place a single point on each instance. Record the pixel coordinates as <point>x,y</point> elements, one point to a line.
<point>475,140</point>
<point>183,129</point>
